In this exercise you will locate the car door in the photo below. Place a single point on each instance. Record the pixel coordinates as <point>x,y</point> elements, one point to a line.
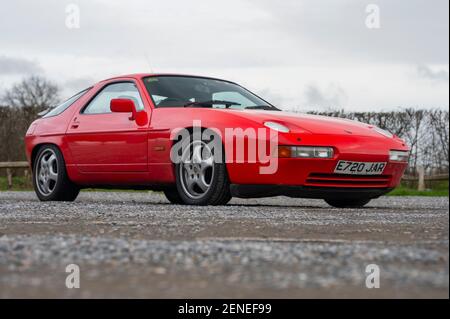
<point>101,141</point>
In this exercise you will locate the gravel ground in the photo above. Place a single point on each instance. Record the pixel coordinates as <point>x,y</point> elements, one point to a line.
<point>135,244</point>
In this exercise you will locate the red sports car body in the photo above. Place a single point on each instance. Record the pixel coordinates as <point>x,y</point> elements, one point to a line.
<point>119,132</point>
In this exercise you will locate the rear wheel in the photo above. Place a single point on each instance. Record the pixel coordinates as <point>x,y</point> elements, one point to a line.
<point>348,203</point>
<point>50,179</point>
<point>201,178</point>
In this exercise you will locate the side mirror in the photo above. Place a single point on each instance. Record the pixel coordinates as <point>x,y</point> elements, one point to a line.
<point>127,106</point>
<point>123,106</point>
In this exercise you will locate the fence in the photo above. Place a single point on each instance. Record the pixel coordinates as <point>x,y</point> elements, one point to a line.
<point>9,166</point>
<point>420,180</point>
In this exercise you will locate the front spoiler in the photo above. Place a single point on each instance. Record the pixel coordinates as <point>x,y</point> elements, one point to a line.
<point>257,191</point>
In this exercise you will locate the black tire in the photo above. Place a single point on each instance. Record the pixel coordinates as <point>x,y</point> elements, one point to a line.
<point>173,196</point>
<point>61,189</point>
<point>218,192</point>
<point>348,203</point>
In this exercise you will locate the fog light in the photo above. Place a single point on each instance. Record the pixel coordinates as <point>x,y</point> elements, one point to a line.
<point>305,151</point>
<point>323,152</point>
<point>313,152</point>
<point>398,156</point>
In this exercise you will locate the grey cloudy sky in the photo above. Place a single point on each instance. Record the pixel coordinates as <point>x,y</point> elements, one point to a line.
<point>302,54</point>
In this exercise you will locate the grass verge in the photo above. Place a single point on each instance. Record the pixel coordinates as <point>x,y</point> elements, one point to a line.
<point>440,189</point>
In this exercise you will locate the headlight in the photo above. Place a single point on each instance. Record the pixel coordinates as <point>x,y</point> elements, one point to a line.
<point>276,127</point>
<point>398,156</point>
<point>383,132</point>
<point>305,151</point>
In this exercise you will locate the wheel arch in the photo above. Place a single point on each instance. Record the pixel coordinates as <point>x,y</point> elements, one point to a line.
<point>202,128</point>
<point>191,130</point>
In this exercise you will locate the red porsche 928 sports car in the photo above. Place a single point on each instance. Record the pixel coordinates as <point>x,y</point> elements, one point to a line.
<point>202,141</point>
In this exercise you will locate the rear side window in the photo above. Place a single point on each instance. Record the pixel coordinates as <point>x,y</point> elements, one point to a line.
<point>65,105</point>
<point>125,90</point>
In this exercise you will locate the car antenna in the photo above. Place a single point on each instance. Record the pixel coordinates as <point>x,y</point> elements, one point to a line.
<point>148,62</point>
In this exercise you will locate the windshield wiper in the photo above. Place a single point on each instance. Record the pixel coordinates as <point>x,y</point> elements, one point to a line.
<point>211,103</point>
<point>262,107</point>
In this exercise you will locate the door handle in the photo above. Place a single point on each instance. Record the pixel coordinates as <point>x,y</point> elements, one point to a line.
<point>75,123</point>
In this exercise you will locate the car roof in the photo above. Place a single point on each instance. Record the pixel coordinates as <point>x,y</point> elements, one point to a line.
<point>143,75</point>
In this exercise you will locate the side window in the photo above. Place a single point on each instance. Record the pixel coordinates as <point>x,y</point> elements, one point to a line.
<point>125,90</point>
<point>66,104</point>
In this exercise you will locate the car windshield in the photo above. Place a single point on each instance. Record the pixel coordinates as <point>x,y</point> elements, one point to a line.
<point>184,91</point>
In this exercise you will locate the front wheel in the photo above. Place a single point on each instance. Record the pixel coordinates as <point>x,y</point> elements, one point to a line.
<point>50,179</point>
<point>201,176</point>
<point>348,203</point>
<point>173,196</point>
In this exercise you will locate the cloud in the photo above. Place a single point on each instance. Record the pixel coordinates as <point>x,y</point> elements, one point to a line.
<point>283,46</point>
<point>332,97</point>
<point>426,72</point>
<point>11,66</point>
<point>335,31</point>
<point>271,97</point>
<point>79,83</point>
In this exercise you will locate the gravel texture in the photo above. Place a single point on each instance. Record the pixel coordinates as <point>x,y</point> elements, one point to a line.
<point>135,244</point>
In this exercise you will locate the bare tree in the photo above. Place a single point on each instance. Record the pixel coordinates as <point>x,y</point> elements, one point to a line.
<point>8,136</point>
<point>19,106</point>
<point>33,92</point>
<point>439,120</point>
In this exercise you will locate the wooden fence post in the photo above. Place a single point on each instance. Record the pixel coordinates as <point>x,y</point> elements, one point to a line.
<point>26,176</point>
<point>9,177</point>
<point>421,183</point>
<point>10,166</point>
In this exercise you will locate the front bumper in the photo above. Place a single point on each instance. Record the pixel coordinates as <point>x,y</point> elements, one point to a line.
<point>316,172</point>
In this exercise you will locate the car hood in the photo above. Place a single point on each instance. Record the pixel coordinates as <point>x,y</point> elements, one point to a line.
<point>315,124</point>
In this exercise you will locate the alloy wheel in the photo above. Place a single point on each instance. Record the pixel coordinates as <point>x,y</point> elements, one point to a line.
<point>47,172</point>
<point>196,169</point>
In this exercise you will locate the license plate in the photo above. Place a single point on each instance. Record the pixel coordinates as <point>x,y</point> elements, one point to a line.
<point>360,168</point>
